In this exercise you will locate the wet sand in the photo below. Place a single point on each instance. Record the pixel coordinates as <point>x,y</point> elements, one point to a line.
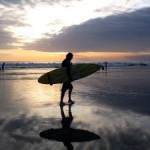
<point>114,105</point>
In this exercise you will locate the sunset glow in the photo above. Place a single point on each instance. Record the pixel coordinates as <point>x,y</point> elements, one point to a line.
<point>37,56</point>
<point>94,31</point>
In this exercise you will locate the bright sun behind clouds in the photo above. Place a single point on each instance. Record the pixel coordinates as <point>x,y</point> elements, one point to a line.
<point>50,19</point>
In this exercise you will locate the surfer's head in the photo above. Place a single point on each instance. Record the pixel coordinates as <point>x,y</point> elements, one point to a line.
<point>69,56</point>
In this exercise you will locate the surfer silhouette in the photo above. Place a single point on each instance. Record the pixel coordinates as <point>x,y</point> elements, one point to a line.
<point>67,85</point>
<point>3,64</point>
<point>106,66</point>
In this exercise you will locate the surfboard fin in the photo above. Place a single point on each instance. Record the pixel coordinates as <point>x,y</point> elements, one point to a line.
<point>50,82</point>
<point>101,67</point>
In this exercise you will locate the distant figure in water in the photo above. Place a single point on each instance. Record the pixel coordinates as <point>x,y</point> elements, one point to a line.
<point>67,85</point>
<point>106,66</point>
<point>3,64</point>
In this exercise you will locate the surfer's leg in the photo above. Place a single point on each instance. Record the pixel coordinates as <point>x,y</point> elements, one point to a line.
<point>63,90</point>
<point>69,94</point>
<point>62,97</point>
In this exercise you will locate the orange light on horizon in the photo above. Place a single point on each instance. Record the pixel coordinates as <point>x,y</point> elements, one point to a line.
<point>40,56</point>
<point>31,55</point>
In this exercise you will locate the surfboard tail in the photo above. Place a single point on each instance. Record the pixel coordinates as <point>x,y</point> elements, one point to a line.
<point>45,79</point>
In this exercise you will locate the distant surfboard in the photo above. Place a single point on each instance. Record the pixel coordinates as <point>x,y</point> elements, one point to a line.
<point>78,71</point>
<point>70,135</point>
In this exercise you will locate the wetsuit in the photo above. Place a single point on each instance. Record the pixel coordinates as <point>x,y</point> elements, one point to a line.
<point>67,85</point>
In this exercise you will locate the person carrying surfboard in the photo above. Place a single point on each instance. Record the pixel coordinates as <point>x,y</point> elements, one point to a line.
<point>67,85</point>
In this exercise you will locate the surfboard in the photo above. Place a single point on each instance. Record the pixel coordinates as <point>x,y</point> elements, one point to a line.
<point>59,75</point>
<point>71,135</point>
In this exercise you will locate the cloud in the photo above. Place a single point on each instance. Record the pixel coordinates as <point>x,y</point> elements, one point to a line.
<point>10,3</point>
<point>113,33</point>
<point>6,40</point>
<point>116,8</point>
<point>11,17</point>
<point>32,2</point>
<point>124,32</point>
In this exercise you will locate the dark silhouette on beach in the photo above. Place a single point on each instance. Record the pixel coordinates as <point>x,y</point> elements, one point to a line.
<point>3,66</point>
<point>106,65</point>
<point>67,85</point>
<point>66,134</point>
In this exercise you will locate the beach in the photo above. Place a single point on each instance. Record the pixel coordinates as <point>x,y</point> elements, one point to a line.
<point>113,104</point>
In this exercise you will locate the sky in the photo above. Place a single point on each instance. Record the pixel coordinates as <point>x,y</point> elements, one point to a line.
<point>45,30</point>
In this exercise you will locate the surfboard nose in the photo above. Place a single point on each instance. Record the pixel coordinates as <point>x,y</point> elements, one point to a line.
<point>46,134</point>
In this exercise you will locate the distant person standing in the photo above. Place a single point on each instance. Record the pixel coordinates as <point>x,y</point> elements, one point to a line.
<point>106,65</point>
<point>3,65</point>
<point>67,85</point>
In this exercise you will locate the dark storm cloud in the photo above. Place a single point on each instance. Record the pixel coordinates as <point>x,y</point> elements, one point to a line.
<point>124,32</point>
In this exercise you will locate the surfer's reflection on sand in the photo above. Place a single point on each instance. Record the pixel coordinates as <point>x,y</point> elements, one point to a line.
<point>66,134</point>
<point>66,122</point>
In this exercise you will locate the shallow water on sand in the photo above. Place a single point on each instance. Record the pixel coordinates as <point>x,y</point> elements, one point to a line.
<point>114,105</point>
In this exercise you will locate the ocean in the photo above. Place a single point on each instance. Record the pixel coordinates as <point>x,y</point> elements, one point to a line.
<point>10,65</point>
<point>112,104</point>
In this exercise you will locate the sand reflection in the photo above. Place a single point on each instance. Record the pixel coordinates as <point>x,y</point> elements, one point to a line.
<point>67,134</point>
<point>117,110</point>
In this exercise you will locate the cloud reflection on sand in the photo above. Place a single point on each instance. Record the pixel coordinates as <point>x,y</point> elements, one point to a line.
<point>22,132</point>
<point>105,105</point>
